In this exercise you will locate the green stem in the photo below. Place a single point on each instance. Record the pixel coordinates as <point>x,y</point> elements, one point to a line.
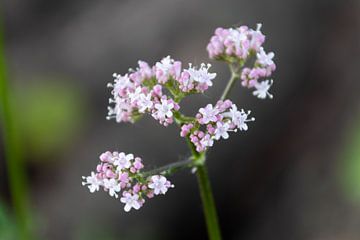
<point>13,154</point>
<point>209,207</point>
<point>230,84</point>
<point>170,168</point>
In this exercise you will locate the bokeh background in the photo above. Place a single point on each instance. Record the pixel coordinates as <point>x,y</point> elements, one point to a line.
<point>294,175</point>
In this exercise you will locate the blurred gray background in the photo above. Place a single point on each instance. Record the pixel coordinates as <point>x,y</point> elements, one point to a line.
<point>291,176</point>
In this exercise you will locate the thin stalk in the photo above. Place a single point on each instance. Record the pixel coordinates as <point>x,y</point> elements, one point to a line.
<point>230,84</point>
<point>170,168</point>
<point>208,201</point>
<point>13,153</point>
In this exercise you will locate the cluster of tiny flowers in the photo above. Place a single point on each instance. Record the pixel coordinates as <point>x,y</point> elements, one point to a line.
<point>238,45</point>
<point>141,91</point>
<point>196,79</point>
<point>119,173</point>
<point>217,121</point>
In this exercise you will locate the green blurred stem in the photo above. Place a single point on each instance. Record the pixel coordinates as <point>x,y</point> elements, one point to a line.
<point>13,154</point>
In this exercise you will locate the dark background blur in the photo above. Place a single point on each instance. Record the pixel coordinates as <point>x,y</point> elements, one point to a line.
<point>294,175</point>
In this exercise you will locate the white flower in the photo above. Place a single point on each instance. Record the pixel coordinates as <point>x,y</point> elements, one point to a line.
<point>237,37</point>
<point>256,37</point>
<point>165,65</point>
<point>144,102</point>
<point>265,59</point>
<point>239,118</point>
<point>207,141</point>
<point>158,183</point>
<point>209,114</point>
<point>121,82</point>
<point>201,75</point>
<point>221,130</point>
<point>93,182</point>
<point>164,109</point>
<point>241,121</point>
<point>131,201</point>
<point>113,187</point>
<point>262,89</point>
<point>123,161</point>
<point>135,96</point>
<point>120,110</point>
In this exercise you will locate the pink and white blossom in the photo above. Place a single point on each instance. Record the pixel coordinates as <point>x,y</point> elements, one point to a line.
<point>112,186</point>
<point>131,201</point>
<point>159,184</point>
<point>119,173</point>
<point>208,114</point>
<point>167,68</point>
<point>92,182</point>
<point>218,121</point>
<point>241,45</point>
<point>221,130</point>
<point>123,161</point>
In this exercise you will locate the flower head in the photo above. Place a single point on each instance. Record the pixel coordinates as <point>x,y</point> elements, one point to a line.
<point>243,44</point>
<point>219,120</point>
<point>120,172</point>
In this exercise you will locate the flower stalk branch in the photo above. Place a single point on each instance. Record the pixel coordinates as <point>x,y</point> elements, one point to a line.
<point>171,168</point>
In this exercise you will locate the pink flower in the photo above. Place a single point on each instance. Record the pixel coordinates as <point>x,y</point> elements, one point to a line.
<point>208,114</point>
<point>120,172</point>
<point>167,68</point>
<point>235,45</point>
<point>221,130</point>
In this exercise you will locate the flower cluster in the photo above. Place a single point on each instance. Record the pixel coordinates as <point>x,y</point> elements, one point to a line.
<point>157,91</point>
<point>198,80</point>
<point>216,121</point>
<point>238,45</point>
<point>142,90</point>
<point>120,172</point>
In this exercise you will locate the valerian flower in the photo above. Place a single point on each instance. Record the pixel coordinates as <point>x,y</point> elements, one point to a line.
<point>120,172</point>
<point>239,46</point>
<point>218,121</point>
<point>159,184</point>
<point>262,89</point>
<point>157,90</point>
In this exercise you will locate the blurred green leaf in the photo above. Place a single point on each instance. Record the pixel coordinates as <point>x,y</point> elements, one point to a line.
<point>7,227</point>
<point>50,116</point>
<point>351,173</point>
